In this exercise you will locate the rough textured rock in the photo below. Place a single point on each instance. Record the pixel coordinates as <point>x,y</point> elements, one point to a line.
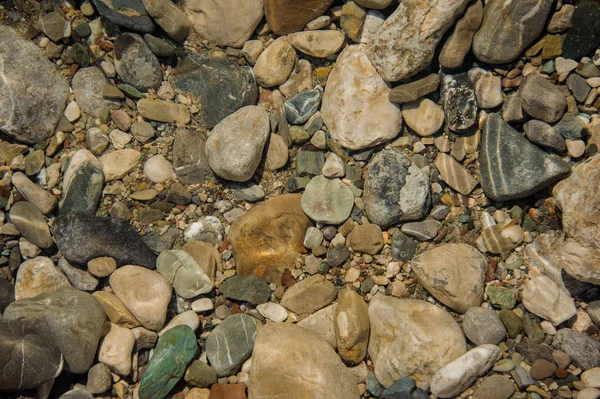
<point>288,16</point>
<point>395,189</point>
<point>184,273</point>
<point>301,364</point>
<point>267,239</point>
<point>230,343</point>
<point>483,326</point>
<point>508,28</point>
<point>275,64</point>
<point>130,14</point>
<point>459,42</point>
<point>454,274</point>
<point>511,167</point>
<point>189,157</point>
<point>584,36</point>
<point>319,43</point>
<point>541,99</point>
<point>82,184</point>
<point>459,101</point>
<point>308,295</point>
<point>38,276</point>
<point>135,63</point>
<point>87,84</point>
<point>544,135</point>
<point>248,288</point>
<point>28,115</point>
<point>582,349</point>
<point>370,118</point>
<point>406,42</point>
<point>430,339</point>
<point>30,222</point>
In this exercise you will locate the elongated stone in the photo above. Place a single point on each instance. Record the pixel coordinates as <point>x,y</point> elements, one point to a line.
<point>412,91</point>
<point>456,175</point>
<point>459,101</point>
<point>30,222</point>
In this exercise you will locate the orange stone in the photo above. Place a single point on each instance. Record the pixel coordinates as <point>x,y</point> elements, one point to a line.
<point>228,391</point>
<point>289,16</point>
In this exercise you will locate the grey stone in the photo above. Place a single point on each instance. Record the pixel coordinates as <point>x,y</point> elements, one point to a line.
<point>337,255</point>
<point>522,377</point>
<point>541,99</point>
<point>30,222</point>
<point>34,93</point>
<point>395,189</point>
<point>403,247</point>
<point>82,184</point>
<point>593,310</point>
<point>309,163</point>
<point>459,101</point>
<point>512,110</point>
<point>77,393</point>
<point>248,288</point>
<point>7,294</point>
<point>302,106</point>
<point>87,85</point>
<point>544,135</point>
<point>159,46</point>
<point>578,87</point>
<point>248,192</point>
<point>584,35</point>
<point>510,166</point>
<point>55,26</point>
<point>582,349</point>
<point>184,273</point>
<point>81,279</point>
<point>412,91</point>
<point>373,386</point>
<point>130,14</point>
<point>400,389</point>
<point>327,200</point>
<point>230,343</point>
<point>421,231</point>
<point>34,193</point>
<point>200,374</point>
<point>571,127</point>
<point>483,326</point>
<point>135,63</point>
<point>189,159</point>
<point>494,387</point>
<point>99,379</point>
<point>222,87</point>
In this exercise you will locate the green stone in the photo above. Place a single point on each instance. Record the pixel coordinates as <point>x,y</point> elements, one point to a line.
<point>34,162</point>
<point>130,91</point>
<point>200,374</point>
<point>175,350</point>
<point>309,163</point>
<point>548,68</point>
<point>323,267</point>
<point>501,296</point>
<point>512,322</point>
<point>503,366</point>
<point>80,55</point>
<point>529,224</point>
<point>463,219</point>
<point>533,329</point>
<point>515,211</point>
<point>299,134</point>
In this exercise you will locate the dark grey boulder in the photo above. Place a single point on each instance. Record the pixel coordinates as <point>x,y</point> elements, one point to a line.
<point>584,36</point>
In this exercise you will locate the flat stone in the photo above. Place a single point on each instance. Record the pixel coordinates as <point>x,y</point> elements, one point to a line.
<point>302,106</point>
<point>495,387</point>
<point>189,157</point>
<point>230,343</point>
<point>308,295</point>
<point>33,193</point>
<point>96,140</point>
<point>412,91</point>
<point>142,131</point>
<point>119,163</point>
<point>541,99</point>
<point>277,152</point>
<point>403,247</point>
<point>544,135</point>
<point>82,184</point>
<point>327,200</point>
<point>99,379</point>
<point>454,174</point>
<point>115,310</point>
<point>30,222</point>
<point>423,116</point>
<point>512,167</point>
<point>545,299</point>
<point>309,163</point>
<point>541,369</point>
<point>584,35</point>
<point>163,111</point>
<point>157,169</point>
<point>488,90</point>
<point>483,326</point>
<point>115,349</point>
<point>55,25</point>
<point>135,63</point>
<point>273,311</point>
<point>248,288</point>
<point>421,231</point>
<point>459,42</point>
<point>322,323</point>
<point>184,273</point>
<point>319,43</point>
<point>200,374</point>
<point>38,276</point>
<point>275,64</point>
<point>289,16</point>
<point>351,323</point>
<point>81,279</point>
<point>582,349</point>
<point>130,14</point>
<point>459,101</point>
<point>578,87</point>
<point>169,17</point>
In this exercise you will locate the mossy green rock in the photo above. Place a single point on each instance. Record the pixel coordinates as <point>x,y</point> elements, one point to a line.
<point>173,353</point>
<point>501,296</point>
<point>80,55</point>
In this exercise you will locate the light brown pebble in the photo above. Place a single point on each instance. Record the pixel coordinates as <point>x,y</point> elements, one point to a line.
<point>102,267</point>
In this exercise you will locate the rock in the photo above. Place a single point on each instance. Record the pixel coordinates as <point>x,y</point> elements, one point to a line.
<point>403,247</point>
<point>412,91</point>
<point>189,157</point>
<point>309,163</point>
<point>591,378</point>
<point>351,323</point>
<point>70,319</point>
<point>7,294</point>
<point>207,229</point>
<point>30,222</point>
<point>222,87</point>
<point>142,131</point>
<point>454,174</point>
<point>300,79</point>
<point>207,256</point>
<point>405,43</point>
<point>119,163</point>
<point>88,84</point>
<point>227,391</point>
<point>495,387</point>
<point>365,238</point>
<point>157,169</point>
<point>234,147</point>
<point>115,349</point>
<point>82,184</point>
<point>582,349</point>
<point>545,299</point>
<point>308,295</point>
<point>430,339</point>
<point>28,115</point>
<point>584,35</point>
<point>225,23</point>
<point>541,99</point>
<point>541,369</point>
<point>461,373</point>
<point>55,25</point>
<point>33,193</point>
<point>135,63</point>
<point>230,343</point>
<point>544,135</point>
<point>483,326</point>
<point>353,76</point>
<point>571,127</point>
<point>115,310</point>
<point>395,189</point>
<point>249,288</point>
<point>578,87</point>
<point>510,166</point>
<point>302,106</point>
<point>575,197</point>
<point>423,116</point>
<point>275,64</point>
<point>175,350</point>
<point>145,293</point>
<point>288,16</point>
<point>318,43</point>
<point>169,17</point>
<point>268,238</point>
<point>273,374</point>
<point>184,273</point>
<point>459,101</point>
<point>509,28</point>
<point>334,166</point>
<point>352,19</point>
<point>163,111</point>
<point>273,311</point>
<point>38,276</point>
<point>82,237</point>
<point>327,200</point>
<point>130,14</point>
<point>322,323</point>
<point>200,374</point>
<point>488,90</point>
<point>459,42</point>
<point>99,379</point>
<point>277,152</point>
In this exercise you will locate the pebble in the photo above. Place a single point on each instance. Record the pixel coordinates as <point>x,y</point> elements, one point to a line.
<point>458,101</point>
<point>366,238</point>
<point>200,374</point>
<point>81,279</point>
<point>135,63</point>
<point>33,193</point>
<point>423,116</point>
<point>273,311</point>
<point>334,166</point>
<point>582,349</point>
<point>119,139</point>
<point>115,349</point>
<point>541,369</point>
<point>277,152</point>
<point>115,310</point>
<point>302,106</point>
<point>275,63</point>
<point>494,387</point>
<point>30,222</point>
<point>142,131</point>
<point>119,163</point>
<point>327,200</point>
<point>421,231</point>
<point>313,237</point>
<point>184,273</point>
<point>249,288</point>
<point>38,276</point>
<point>157,169</point>
<point>202,305</point>
<point>483,326</point>
<point>591,377</point>
<point>230,343</point>
<point>317,43</point>
<point>99,378</point>
<point>102,267</point>
<point>544,135</point>
<point>454,174</point>
<point>351,323</point>
<point>541,99</point>
<point>308,295</point>
<point>188,318</point>
<point>163,111</point>
<point>544,298</point>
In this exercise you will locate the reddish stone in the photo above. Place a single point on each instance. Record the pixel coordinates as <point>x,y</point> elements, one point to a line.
<point>561,373</point>
<point>228,391</point>
<point>287,279</point>
<point>541,369</point>
<point>289,16</point>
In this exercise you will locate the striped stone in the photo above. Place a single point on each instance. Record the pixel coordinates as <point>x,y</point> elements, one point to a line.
<point>454,174</point>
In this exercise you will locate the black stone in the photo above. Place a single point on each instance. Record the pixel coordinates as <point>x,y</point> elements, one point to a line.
<point>7,294</point>
<point>83,29</point>
<point>571,127</point>
<point>120,13</point>
<point>459,101</point>
<point>159,46</point>
<point>309,163</point>
<point>584,37</point>
<point>337,255</point>
<point>578,86</point>
<point>403,247</point>
<point>82,237</point>
<point>222,86</point>
<point>249,288</point>
<point>400,389</point>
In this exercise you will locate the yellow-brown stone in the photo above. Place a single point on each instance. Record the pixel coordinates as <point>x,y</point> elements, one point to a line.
<point>115,310</point>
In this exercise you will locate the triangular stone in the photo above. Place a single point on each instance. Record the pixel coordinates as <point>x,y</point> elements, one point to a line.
<point>511,167</point>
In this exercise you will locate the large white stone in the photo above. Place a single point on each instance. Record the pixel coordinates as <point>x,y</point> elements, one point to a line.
<point>545,299</point>
<point>115,349</point>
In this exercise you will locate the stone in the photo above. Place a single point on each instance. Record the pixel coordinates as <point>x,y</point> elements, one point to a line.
<point>403,247</point>
<point>302,106</point>
<point>119,163</point>
<point>575,197</point>
<point>423,116</point>
<point>545,299</point>
<point>571,127</point>
<point>353,76</point>
<point>82,184</point>
<point>593,310</point>
<point>395,189</point>
<point>352,19</point>
<point>578,87</point>
<point>81,279</point>
<point>544,135</point>
<point>248,288</point>
<point>406,42</point>
<point>483,326</point>
<point>375,4</point>
<point>208,229</point>
<point>200,374</point>
<point>38,276</point>
<point>273,374</point>
<point>82,237</point>
<point>97,141</point>
<point>582,349</point>
<point>115,349</point>
<point>351,323</point>
<point>163,111</point>
<point>30,222</point>
<point>88,85</point>
<point>409,92</point>
<point>308,295</point>
<point>561,19</point>
<point>459,101</point>
<point>327,200</point>
<point>274,65</point>
<point>142,131</point>
<point>119,139</point>
<point>135,63</point>
<point>99,379</point>
<point>430,339</point>
<point>184,273</point>
<point>169,17</point>
<point>584,35</point>
<point>421,231</point>
<point>267,239</point>
<point>55,25</point>
<point>206,255</point>
<point>510,166</point>
<point>189,157</point>
<point>234,147</point>
<point>222,87</point>
<point>541,369</point>
<point>322,323</point>
<point>512,322</point>
<point>115,310</point>
<point>273,311</point>
<point>157,169</point>
<point>28,115</point>
<point>488,90</point>
<point>334,166</point>
<point>591,377</point>
<point>174,351</point>
<point>33,193</point>
<point>509,28</point>
<point>541,99</point>
<point>277,152</point>
<point>289,16</point>
<point>230,343</point>
<point>161,47</point>
<point>319,43</point>
<point>227,391</point>
<point>130,14</point>
<point>459,42</point>
<point>309,163</point>
<point>454,174</point>
<point>70,319</point>
<point>365,238</point>
<point>494,386</point>
<point>458,375</point>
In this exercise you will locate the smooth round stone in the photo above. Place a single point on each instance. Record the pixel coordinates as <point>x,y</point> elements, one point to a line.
<point>118,164</point>
<point>188,318</point>
<point>142,131</point>
<point>313,237</point>
<point>157,169</point>
<point>366,238</point>
<point>202,305</point>
<point>327,200</point>
<point>275,64</point>
<point>30,222</point>
<point>273,311</point>
<point>423,116</point>
<point>99,379</point>
<point>115,349</point>
<point>494,387</point>
<point>102,267</point>
<point>319,44</point>
<point>277,152</point>
<point>483,326</point>
<point>541,369</point>
<point>38,276</point>
<point>34,193</point>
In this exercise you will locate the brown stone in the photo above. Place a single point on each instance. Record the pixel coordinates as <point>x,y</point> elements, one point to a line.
<point>207,256</point>
<point>541,369</point>
<point>228,391</point>
<point>288,16</point>
<point>352,19</point>
<point>459,43</point>
<point>414,90</point>
<point>454,174</point>
<point>268,238</point>
<point>115,310</point>
<point>366,238</point>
